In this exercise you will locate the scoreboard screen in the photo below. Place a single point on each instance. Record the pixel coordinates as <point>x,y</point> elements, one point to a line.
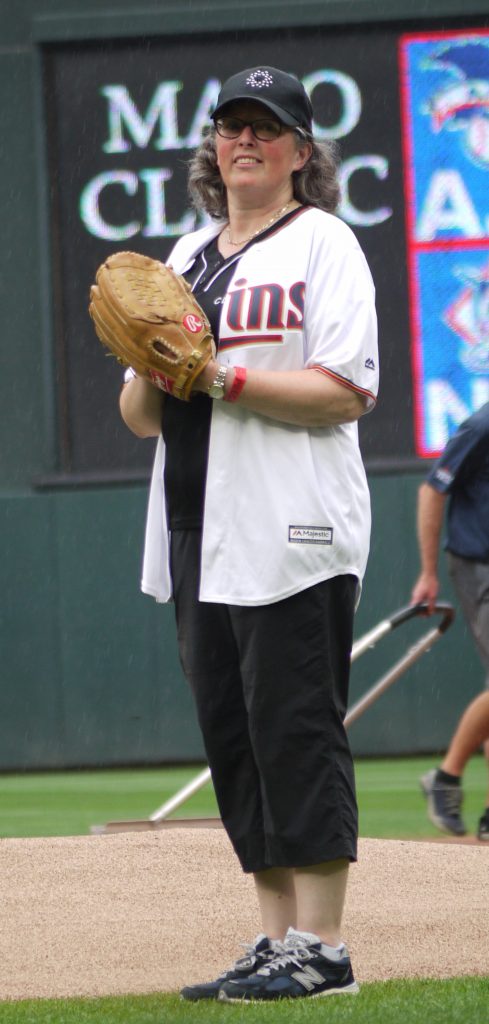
<point>445,107</point>
<point>410,114</point>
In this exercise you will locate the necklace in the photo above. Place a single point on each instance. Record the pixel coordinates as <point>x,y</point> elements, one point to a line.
<point>273,218</point>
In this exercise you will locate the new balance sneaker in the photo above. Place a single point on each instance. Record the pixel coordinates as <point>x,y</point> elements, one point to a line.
<point>257,954</point>
<point>483,828</point>
<point>444,803</point>
<point>302,970</point>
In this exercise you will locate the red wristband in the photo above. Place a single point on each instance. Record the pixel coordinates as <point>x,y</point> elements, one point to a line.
<point>237,385</point>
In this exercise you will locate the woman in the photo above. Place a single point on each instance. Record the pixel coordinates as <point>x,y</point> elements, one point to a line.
<point>269,520</point>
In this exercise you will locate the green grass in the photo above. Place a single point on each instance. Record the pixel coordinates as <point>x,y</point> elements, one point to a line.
<point>391,803</point>
<point>459,1001</point>
<point>69,803</point>
<point>391,806</point>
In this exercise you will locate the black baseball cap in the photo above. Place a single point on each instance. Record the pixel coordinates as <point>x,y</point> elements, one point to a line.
<point>282,93</point>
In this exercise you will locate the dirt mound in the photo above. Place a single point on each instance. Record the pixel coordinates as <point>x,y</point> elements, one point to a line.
<point>145,912</point>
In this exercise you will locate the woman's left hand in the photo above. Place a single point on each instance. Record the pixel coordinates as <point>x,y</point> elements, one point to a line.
<point>207,377</point>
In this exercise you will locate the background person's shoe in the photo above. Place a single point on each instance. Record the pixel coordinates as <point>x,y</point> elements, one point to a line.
<point>303,970</point>
<point>444,803</point>
<point>483,828</point>
<point>257,954</point>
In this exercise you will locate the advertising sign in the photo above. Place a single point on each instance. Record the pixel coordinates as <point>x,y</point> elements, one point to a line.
<point>445,99</point>
<point>410,115</point>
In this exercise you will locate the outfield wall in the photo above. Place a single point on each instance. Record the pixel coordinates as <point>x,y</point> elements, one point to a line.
<point>90,672</point>
<point>89,669</point>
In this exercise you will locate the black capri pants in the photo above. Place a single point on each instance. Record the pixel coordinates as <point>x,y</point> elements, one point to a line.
<point>270,684</point>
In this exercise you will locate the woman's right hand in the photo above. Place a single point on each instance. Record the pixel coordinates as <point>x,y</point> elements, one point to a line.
<point>141,406</point>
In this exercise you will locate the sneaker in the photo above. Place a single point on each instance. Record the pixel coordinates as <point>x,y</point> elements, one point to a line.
<point>483,829</point>
<point>302,970</point>
<point>257,954</point>
<point>444,803</point>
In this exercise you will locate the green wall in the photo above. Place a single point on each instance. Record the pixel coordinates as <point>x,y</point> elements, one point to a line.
<point>90,672</point>
<point>89,669</point>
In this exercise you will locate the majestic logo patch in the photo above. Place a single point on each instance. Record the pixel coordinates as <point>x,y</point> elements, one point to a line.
<point>445,476</point>
<point>310,534</point>
<point>369,364</point>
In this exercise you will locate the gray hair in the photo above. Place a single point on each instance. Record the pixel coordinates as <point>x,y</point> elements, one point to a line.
<point>315,185</point>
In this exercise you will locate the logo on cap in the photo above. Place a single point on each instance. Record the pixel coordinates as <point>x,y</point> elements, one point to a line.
<point>259,79</point>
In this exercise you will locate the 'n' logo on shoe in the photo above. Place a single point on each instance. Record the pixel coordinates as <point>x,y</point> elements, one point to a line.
<point>308,978</point>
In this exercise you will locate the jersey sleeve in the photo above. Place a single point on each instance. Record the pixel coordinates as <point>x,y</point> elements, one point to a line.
<point>340,317</point>
<point>456,459</point>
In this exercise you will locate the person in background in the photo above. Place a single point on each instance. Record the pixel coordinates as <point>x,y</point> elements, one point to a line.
<point>460,481</point>
<point>259,520</point>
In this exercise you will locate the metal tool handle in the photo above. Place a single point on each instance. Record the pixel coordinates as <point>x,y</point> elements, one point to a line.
<point>182,796</point>
<point>359,647</point>
<point>412,654</point>
<point>410,611</point>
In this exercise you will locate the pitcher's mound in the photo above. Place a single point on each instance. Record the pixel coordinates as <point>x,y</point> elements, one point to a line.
<point>146,912</point>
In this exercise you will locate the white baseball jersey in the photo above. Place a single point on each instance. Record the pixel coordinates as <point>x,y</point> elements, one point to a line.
<point>285,506</point>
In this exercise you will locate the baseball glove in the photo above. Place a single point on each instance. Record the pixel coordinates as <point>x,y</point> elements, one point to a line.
<point>148,318</point>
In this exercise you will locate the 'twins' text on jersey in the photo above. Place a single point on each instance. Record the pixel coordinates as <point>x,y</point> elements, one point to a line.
<point>262,308</point>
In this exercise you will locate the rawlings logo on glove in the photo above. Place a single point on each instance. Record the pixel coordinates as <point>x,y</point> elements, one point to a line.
<point>147,317</point>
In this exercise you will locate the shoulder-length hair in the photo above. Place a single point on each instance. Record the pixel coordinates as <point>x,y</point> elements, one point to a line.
<point>315,185</point>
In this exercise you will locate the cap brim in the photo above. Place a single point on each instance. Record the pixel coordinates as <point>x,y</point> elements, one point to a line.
<point>282,114</point>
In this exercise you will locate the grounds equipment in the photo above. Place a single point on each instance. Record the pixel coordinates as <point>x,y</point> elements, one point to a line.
<point>161,816</point>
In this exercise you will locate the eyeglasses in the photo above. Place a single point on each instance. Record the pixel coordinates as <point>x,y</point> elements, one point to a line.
<point>266,129</point>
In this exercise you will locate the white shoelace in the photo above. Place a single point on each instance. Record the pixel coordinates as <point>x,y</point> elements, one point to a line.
<point>251,954</point>
<point>292,954</point>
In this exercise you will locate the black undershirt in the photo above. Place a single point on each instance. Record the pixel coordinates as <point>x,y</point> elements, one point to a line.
<point>186,425</point>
